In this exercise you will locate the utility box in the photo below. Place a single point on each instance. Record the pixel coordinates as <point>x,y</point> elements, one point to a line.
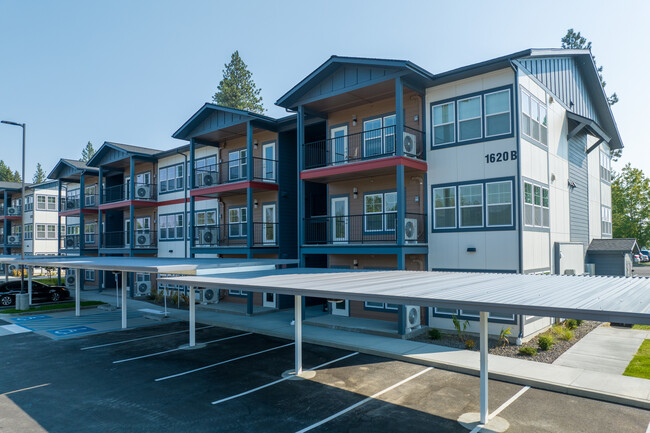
<point>22,301</point>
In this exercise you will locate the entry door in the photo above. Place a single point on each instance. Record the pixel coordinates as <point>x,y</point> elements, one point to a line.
<point>127,233</point>
<point>269,300</point>
<point>340,219</point>
<point>339,143</point>
<point>268,223</point>
<point>268,162</point>
<point>341,308</point>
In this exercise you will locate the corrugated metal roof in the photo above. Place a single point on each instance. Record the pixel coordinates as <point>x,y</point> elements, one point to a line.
<point>626,245</point>
<point>625,300</point>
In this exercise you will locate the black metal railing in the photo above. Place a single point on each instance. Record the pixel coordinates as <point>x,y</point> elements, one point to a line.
<point>11,210</point>
<point>122,239</point>
<point>377,228</point>
<point>70,203</point>
<point>235,171</point>
<point>115,193</point>
<point>235,234</point>
<point>361,146</point>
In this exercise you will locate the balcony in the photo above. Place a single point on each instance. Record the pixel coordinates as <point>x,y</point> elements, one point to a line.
<point>73,242</point>
<point>361,146</point>
<point>11,211</point>
<point>264,170</point>
<point>378,228</point>
<point>117,193</point>
<point>10,240</point>
<point>74,202</point>
<point>235,235</point>
<point>144,239</point>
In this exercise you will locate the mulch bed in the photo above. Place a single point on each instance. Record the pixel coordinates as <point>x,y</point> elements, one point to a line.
<point>512,350</point>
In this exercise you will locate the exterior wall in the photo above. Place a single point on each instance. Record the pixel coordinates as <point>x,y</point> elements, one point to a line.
<point>610,264</point>
<point>48,217</point>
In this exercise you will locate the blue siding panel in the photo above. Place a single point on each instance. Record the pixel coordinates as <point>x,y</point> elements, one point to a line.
<point>578,196</point>
<point>345,77</point>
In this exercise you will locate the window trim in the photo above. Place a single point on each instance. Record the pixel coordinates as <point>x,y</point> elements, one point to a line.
<point>485,95</point>
<point>433,125</point>
<point>608,159</point>
<point>461,316</point>
<point>604,208</point>
<point>521,112</point>
<point>384,225</point>
<point>382,135</point>
<point>534,206</point>
<point>240,223</point>
<point>176,177</point>
<point>455,207</point>
<point>481,206</point>
<point>480,117</point>
<point>174,216</point>
<point>487,205</point>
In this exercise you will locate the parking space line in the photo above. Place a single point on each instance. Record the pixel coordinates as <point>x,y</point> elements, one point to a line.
<point>648,429</point>
<point>25,389</point>
<point>480,427</point>
<point>250,391</point>
<point>179,348</point>
<point>364,401</point>
<point>223,362</point>
<point>141,338</point>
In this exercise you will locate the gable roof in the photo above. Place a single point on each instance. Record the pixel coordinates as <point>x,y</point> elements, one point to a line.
<point>72,166</point>
<point>126,149</point>
<point>622,245</point>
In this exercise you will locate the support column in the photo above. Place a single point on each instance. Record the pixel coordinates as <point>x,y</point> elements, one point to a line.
<point>30,273</point>
<point>124,283</point>
<point>484,366</point>
<point>192,318</point>
<point>301,184</point>
<point>249,303</point>
<point>399,117</point>
<point>250,161</point>
<point>192,180</point>
<point>77,293</point>
<point>298,333</point>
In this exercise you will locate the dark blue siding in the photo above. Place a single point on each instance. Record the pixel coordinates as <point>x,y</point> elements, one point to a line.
<point>346,77</point>
<point>287,195</point>
<point>218,120</point>
<point>578,196</point>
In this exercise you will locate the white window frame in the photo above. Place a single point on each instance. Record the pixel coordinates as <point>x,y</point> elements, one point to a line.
<point>41,205</point>
<point>383,212</point>
<point>51,203</point>
<point>488,204</point>
<point>535,117</point>
<point>453,123</point>
<point>485,133</point>
<point>459,121</point>
<point>606,220</point>
<point>605,167</point>
<point>269,165</point>
<point>240,223</point>
<point>461,207</point>
<point>51,231</point>
<point>41,231</point>
<point>454,207</point>
<point>28,232</point>
<point>537,207</point>
<point>240,163</point>
<point>90,231</point>
<point>384,306</point>
<point>90,195</point>
<point>89,275</point>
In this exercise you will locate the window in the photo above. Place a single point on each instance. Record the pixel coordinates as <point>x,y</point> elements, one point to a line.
<point>237,222</point>
<point>90,195</point>
<point>444,207</point>
<point>89,233</point>
<point>497,113</point>
<point>470,198</point>
<point>237,293</point>
<point>205,218</point>
<point>29,203</point>
<point>605,167</point>
<point>171,226</point>
<point>469,118</point>
<point>499,203</point>
<point>237,165</point>
<point>381,306</point>
<point>534,122</point>
<point>29,232</point>
<point>51,203</point>
<point>203,167</point>
<point>40,231</point>
<point>536,206</point>
<point>51,231</point>
<point>89,275</point>
<point>171,178</point>
<point>380,211</point>
<point>379,136</point>
<point>444,123</point>
<point>606,220</point>
<point>40,202</point>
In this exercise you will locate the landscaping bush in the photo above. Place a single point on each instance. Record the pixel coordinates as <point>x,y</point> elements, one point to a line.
<point>528,351</point>
<point>545,341</point>
<point>469,344</point>
<point>579,322</point>
<point>460,327</point>
<point>503,337</point>
<point>565,334</point>
<point>435,334</point>
<point>570,323</point>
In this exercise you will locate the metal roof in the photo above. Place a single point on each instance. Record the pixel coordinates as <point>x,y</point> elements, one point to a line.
<point>623,245</point>
<point>146,264</point>
<point>606,299</point>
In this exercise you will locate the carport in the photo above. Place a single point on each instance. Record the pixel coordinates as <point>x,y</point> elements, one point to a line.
<point>605,299</point>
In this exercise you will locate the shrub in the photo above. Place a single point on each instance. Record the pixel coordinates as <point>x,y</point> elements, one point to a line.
<point>469,344</point>
<point>565,334</point>
<point>545,341</point>
<point>435,334</point>
<point>503,337</point>
<point>528,351</point>
<point>570,324</point>
<point>579,322</point>
<point>460,328</point>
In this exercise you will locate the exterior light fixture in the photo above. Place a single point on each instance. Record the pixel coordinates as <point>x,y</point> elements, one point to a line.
<point>255,203</point>
<point>355,192</point>
<point>354,120</point>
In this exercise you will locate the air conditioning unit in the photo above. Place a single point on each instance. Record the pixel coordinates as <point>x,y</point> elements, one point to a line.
<point>143,191</point>
<point>70,278</point>
<point>12,268</point>
<point>410,230</point>
<point>209,237</point>
<point>13,211</point>
<point>412,317</point>
<point>210,296</point>
<point>69,243</point>
<point>13,239</point>
<point>410,144</point>
<point>144,288</point>
<point>207,179</point>
<point>143,239</point>
<point>69,204</point>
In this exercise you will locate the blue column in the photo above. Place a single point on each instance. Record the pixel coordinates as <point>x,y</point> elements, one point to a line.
<point>249,151</point>
<point>401,191</point>
<point>399,117</point>
<point>82,229</point>
<point>249,303</point>
<point>401,320</point>
<point>250,226</point>
<point>301,185</point>
<point>401,204</point>
<point>100,200</point>
<point>191,168</point>
<point>58,219</point>
<point>191,186</point>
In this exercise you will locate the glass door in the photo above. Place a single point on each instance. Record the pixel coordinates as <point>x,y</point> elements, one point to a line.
<point>268,223</point>
<point>268,162</point>
<point>339,143</point>
<point>339,219</point>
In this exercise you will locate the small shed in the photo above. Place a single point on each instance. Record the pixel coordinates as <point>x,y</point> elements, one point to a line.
<point>613,256</point>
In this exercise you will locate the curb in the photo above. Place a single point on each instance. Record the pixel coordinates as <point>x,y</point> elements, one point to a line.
<point>58,310</point>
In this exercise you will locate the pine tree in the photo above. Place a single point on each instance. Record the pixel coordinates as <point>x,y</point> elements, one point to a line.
<point>87,152</point>
<point>7,175</point>
<point>237,88</point>
<point>39,176</point>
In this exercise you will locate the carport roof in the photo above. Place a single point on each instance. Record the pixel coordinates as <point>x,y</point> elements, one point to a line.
<point>155,265</point>
<point>606,299</point>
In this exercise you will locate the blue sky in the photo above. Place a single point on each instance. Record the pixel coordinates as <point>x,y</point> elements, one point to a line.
<point>134,71</point>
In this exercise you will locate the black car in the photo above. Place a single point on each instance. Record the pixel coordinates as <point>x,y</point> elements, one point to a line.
<point>40,292</point>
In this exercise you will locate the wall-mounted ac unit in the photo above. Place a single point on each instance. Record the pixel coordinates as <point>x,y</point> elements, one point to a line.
<point>143,191</point>
<point>410,230</point>
<point>143,239</point>
<point>410,144</point>
<point>207,179</point>
<point>209,237</point>
<point>144,288</point>
<point>69,242</point>
<point>12,268</point>
<point>69,204</point>
<point>210,296</point>
<point>412,317</point>
<point>13,211</point>
<point>13,239</point>
<point>70,278</point>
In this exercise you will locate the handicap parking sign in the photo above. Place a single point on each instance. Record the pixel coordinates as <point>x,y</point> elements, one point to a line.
<point>28,318</point>
<point>64,332</point>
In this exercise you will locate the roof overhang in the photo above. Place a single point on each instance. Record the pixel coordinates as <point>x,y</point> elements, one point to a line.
<point>579,123</point>
<point>73,172</point>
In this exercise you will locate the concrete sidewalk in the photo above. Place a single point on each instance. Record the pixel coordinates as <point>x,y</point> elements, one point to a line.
<point>560,378</point>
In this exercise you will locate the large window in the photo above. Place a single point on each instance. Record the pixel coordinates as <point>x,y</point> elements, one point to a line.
<point>237,220</point>
<point>469,118</point>
<point>605,167</point>
<point>534,122</point>
<point>444,207</point>
<point>90,229</point>
<point>499,203</point>
<point>51,203</point>
<point>444,123</point>
<point>29,232</point>
<point>40,202</point>
<point>29,203</point>
<point>237,165</point>
<point>497,113</point>
<point>90,195</point>
<point>381,306</point>
<point>606,220</point>
<point>51,231</point>
<point>205,218</point>
<point>171,178</point>
<point>470,199</point>
<point>379,136</point>
<point>380,211</point>
<point>171,227</point>
<point>40,231</point>
<point>536,206</point>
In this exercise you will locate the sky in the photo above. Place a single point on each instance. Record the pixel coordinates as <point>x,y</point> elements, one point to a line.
<point>134,71</point>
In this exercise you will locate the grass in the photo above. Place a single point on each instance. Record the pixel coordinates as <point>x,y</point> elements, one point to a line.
<point>640,364</point>
<point>643,327</point>
<point>52,307</point>
<point>50,281</point>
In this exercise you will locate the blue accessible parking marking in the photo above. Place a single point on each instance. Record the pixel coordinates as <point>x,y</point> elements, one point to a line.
<point>29,318</point>
<point>70,331</point>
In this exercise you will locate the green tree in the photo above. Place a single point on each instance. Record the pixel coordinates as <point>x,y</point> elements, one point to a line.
<point>87,152</point>
<point>237,88</point>
<point>631,205</point>
<point>39,176</point>
<point>7,175</point>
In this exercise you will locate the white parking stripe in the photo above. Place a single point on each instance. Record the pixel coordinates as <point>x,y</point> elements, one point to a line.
<point>180,348</point>
<point>25,389</point>
<point>480,427</point>
<point>364,401</point>
<point>223,362</point>
<point>232,397</point>
<point>15,329</point>
<point>141,338</point>
<point>648,429</point>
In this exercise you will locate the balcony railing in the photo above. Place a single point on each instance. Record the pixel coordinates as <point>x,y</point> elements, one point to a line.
<point>11,210</point>
<point>73,242</point>
<point>74,202</point>
<point>265,170</point>
<point>236,234</point>
<point>10,239</point>
<point>143,191</point>
<point>362,146</point>
<point>122,239</point>
<point>377,228</point>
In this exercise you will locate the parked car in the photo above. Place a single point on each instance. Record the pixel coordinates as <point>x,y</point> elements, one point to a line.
<point>645,253</point>
<point>40,292</point>
<point>637,259</point>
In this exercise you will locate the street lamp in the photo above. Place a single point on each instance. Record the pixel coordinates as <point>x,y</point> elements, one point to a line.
<point>22,202</point>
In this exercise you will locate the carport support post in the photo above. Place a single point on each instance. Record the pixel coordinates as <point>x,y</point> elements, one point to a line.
<point>125,277</point>
<point>484,367</point>
<point>30,272</point>
<point>192,318</point>
<point>77,293</point>
<point>298,331</point>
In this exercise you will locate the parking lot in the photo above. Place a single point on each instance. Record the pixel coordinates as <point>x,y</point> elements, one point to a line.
<point>140,380</point>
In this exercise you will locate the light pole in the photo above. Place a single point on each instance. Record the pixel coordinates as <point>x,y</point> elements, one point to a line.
<point>22,202</point>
